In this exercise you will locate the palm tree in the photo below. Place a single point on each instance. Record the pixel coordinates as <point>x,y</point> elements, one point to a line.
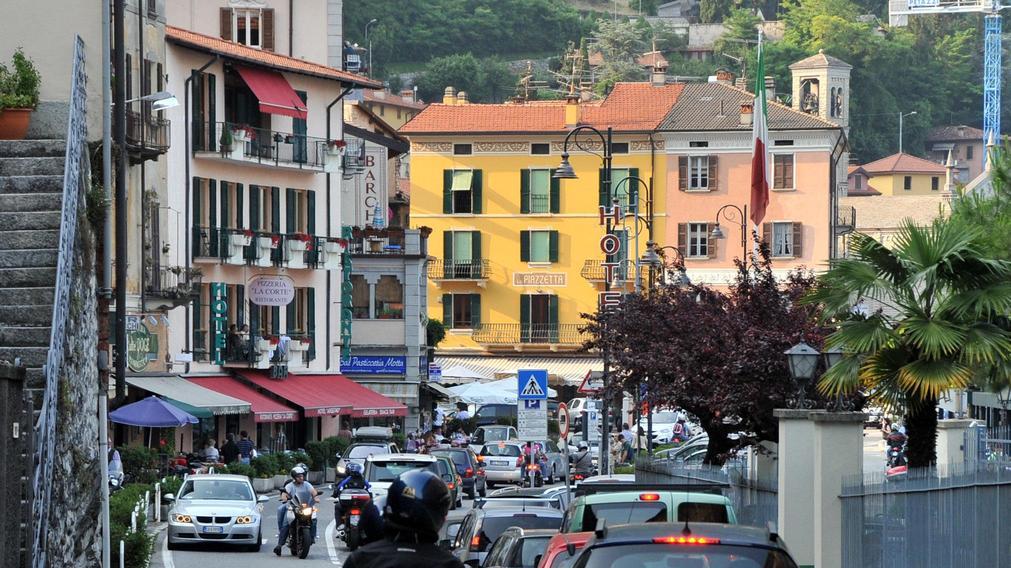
<point>939,322</point>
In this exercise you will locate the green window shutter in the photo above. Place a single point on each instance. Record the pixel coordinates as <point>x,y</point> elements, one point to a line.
<point>275,210</point>
<point>475,310</point>
<point>475,243</point>
<point>475,191</point>
<point>240,305</point>
<point>198,341</point>
<point>310,324</point>
<point>225,211</point>
<point>254,207</point>
<point>524,191</point>
<point>447,310</point>
<point>212,215</point>
<point>198,201</point>
<point>289,317</point>
<point>447,191</point>
<point>525,246</point>
<point>197,110</point>
<point>275,321</point>
<point>289,210</point>
<point>553,319</point>
<point>254,323</point>
<point>212,118</point>
<point>238,205</point>
<point>447,254</point>
<point>633,188</point>
<point>556,193</point>
<point>310,211</point>
<point>524,318</point>
<point>553,246</point>
<point>602,190</point>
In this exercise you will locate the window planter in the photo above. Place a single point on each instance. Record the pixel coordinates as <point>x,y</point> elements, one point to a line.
<point>264,345</point>
<point>297,245</point>
<point>334,247</point>
<point>262,485</point>
<point>265,243</point>
<point>242,239</point>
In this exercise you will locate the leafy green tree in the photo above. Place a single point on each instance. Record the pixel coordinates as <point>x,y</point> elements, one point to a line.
<point>487,80</point>
<point>990,213</point>
<point>711,11</point>
<point>742,32</point>
<point>942,320</point>
<point>620,42</point>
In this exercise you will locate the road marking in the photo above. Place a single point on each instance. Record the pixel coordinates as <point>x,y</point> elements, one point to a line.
<point>166,555</point>
<point>331,548</point>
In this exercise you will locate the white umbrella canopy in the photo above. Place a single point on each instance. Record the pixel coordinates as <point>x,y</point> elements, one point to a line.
<point>461,374</point>
<point>495,392</point>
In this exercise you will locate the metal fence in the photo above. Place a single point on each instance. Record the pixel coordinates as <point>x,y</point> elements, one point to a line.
<point>950,516</point>
<point>755,501</point>
<point>988,444</point>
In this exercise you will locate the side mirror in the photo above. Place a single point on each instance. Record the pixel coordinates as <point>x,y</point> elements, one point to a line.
<point>168,497</point>
<point>262,499</point>
<point>453,529</point>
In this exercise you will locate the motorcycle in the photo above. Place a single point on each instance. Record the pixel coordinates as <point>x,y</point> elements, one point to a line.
<point>353,502</point>
<point>300,517</point>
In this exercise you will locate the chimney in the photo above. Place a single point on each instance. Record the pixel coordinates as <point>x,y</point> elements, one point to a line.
<point>747,113</point>
<point>571,111</point>
<point>585,94</point>
<point>408,95</point>
<point>449,96</point>
<point>741,83</point>
<point>461,98</point>
<point>724,76</point>
<point>770,88</point>
<point>658,78</point>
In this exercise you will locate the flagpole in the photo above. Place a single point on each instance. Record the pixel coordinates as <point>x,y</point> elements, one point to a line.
<point>760,95</point>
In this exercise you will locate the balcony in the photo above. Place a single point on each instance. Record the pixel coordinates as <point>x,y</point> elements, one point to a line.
<point>519,336</point>
<point>377,242</point>
<point>593,270</point>
<point>262,147</point>
<point>476,271</point>
<point>172,286</point>
<point>259,352</point>
<point>147,136</point>
<point>845,220</point>
<point>242,247</point>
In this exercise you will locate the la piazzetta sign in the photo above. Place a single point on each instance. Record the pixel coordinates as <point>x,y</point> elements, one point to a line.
<point>539,279</point>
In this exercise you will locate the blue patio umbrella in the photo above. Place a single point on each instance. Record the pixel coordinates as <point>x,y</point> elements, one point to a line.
<point>152,412</point>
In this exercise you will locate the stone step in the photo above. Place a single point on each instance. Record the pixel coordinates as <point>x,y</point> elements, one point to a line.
<point>26,277</point>
<point>26,296</point>
<point>32,148</point>
<point>31,166</point>
<point>30,240</point>
<point>38,258</point>
<point>25,336</point>
<point>32,184</point>
<point>30,356</point>
<point>14,202</point>
<point>29,220</point>
<point>32,315</point>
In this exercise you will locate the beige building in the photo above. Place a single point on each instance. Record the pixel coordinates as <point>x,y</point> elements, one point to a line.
<point>394,109</point>
<point>898,174</point>
<point>966,146</point>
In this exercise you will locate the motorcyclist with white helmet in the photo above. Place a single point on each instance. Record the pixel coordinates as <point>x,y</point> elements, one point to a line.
<point>582,461</point>
<point>416,508</point>
<point>305,493</point>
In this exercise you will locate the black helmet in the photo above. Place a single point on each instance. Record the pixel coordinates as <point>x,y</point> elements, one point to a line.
<point>418,502</point>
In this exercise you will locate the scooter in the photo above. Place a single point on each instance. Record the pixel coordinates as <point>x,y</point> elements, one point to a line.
<point>300,517</point>
<point>353,502</point>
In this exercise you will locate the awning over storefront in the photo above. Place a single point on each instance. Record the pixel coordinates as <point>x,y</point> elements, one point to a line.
<point>562,370</point>
<point>193,398</point>
<point>273,91</point>
<point>327,395</point>
<point>440,391</point>
<point>264,408</point>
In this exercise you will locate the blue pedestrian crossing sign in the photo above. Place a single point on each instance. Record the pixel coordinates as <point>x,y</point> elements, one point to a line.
<point>532,384</point>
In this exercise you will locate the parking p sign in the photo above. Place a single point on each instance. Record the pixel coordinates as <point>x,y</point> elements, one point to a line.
<point>532,384</point>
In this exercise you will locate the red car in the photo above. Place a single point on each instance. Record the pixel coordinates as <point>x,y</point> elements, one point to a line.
<point>558,553</point>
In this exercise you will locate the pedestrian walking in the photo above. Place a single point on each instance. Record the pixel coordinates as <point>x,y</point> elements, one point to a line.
<point>229,450</point>
<point>246,447</point>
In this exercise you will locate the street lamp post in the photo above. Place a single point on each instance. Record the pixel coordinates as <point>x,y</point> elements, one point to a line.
<point>901,116</point>
<point>369,41</point>
<point>732,213</point>
<point>803,361</point>
<point>633,210</point>
<point>565,171</point>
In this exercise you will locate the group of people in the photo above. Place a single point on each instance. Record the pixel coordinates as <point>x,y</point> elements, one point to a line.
<point>237,345</point>
<point>242,450</point>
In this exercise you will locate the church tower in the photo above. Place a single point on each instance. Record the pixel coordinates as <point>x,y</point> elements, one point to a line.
<point>821,86</point>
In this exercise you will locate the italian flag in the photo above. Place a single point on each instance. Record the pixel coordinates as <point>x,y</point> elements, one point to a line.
<point>760,133</point>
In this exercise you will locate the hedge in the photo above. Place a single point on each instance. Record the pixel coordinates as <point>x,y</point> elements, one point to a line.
<point>137,544</point>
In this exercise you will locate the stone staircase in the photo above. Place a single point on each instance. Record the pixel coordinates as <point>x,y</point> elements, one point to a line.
<point>31,197</point>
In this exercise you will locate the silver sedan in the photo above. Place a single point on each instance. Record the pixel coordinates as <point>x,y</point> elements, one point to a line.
<point>503,462</point>
<point>221,509</point>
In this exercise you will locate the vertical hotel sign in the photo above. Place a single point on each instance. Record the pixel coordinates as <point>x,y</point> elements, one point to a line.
<point>610,245</point>
<point>219,319</point>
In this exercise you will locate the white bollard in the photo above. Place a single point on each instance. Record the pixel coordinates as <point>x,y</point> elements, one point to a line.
<point>133,521</point>
<point>157,502</point>
<point>122,554</point>
<point>147,506</point>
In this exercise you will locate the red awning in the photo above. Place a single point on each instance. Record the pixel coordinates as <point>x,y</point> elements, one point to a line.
<point>325,395</point>
<point>264,408</point>
<point>273,91</point>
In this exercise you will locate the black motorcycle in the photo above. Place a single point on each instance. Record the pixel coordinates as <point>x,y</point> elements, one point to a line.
<point>300,517</point>
<point>353,502</point>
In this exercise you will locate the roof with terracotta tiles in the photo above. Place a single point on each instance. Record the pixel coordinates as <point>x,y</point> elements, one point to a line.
<point>630,107</point>
<point>717,106</point>
<point>239,52</point>
<point>820,60</point>
<point>952,133</point>
<point>393,99</point>
<point>903,163</point>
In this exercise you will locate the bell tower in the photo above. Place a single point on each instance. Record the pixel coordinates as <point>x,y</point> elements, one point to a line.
<point>821,86</point>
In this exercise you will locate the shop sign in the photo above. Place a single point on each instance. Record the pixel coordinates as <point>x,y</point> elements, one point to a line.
<point>287,416</point>
<point>374,365</point>
<point>270,290</point>
<point>378,412</point>
<point>219,319</point>
<point>141,348</point>
<point>539,279</point>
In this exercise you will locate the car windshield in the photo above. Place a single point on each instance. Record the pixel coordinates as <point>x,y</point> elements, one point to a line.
<point>366,451</point>
<point>504,450</point>
<point>665,417</point>
<point>459,457</point>
<point>493,527</point>
<point>667,555</point>
<point>624,513</point>
<point>216,490</point>
<point>532,548</point>
<point>389,470</point>
<point>496,434</point>
<point>444,470</point>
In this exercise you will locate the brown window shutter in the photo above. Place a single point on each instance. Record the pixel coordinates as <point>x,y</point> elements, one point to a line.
<point>683,173</point>
<point>226,23</point>
<point>798,240</point>
<point>767,234</point>
<point>267,25</point>
<point>788,171</point>
<point>683,239</point>
<point>777,172</point>
<point>712,242</point>
<point>714,169</point>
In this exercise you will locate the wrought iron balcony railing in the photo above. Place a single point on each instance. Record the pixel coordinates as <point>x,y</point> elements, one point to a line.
<point>262,146</point>
<point>377,242</point>
<point>459,269</point>
<point>593,270</point>
<point>173,285</point>
<point>846,220</point>
<point>147,136</point>
<point>291,250</point>
<point>518,333</point>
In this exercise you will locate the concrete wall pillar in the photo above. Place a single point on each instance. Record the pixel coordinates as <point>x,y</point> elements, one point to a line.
<point>838,452</point>
<point>796,490</point>
<point>951,441</point>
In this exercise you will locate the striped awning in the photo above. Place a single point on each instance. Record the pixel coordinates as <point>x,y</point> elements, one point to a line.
<point>562,370</point>
<point>195,399</point>
<point>397,390</point>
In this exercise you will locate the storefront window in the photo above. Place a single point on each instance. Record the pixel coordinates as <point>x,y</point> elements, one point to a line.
<point>360,297</point>
<point>389,298</point>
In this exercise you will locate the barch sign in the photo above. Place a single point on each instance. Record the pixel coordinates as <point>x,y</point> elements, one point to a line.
<point>364,191</point>
<point>270,290</point>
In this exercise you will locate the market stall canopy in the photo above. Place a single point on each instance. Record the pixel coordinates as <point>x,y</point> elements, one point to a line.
<point>327,395</point>
<point>264,408</point>
<point>440,391</point>
<point>495,392</point>
<point>193,398</point>
<point>152,412</point>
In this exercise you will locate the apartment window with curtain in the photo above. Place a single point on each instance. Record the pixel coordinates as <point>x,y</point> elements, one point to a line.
<point>785,238</point>
<point>361,305</point>
<point>462,254</point>
<point>461,311</point>
<point>246,26</point>
<point>620,189</point>
<point>389,298</point>
<point>539,246</point>
<point>540,188</point>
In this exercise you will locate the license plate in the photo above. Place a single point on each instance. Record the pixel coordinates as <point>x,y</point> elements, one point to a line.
<point>500,462</point>
<point>354,519</point>
<point>213,530</point>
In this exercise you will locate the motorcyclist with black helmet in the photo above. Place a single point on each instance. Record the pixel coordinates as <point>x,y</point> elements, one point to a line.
<point>371,523</point>
<point>416,508</point>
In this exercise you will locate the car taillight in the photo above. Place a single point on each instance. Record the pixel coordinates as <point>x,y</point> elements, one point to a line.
<point>356,511</point>
<point>649,496</point>
<point>533,467</point>
<point>480,458</point>
<point>685,540</point>
<point>469,472</point>
<point>451,485</point>
<point>475,543</point>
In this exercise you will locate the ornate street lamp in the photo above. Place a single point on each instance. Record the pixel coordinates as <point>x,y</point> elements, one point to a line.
<point>802,360</point>
<point>737,216</point>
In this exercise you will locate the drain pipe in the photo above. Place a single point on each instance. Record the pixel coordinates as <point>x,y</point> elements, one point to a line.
<point>329,221</point>
<point>105,290</point>
<point>119,132</point>
<point>187,132</point>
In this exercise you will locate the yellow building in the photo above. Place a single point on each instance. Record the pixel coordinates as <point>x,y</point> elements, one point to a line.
<point>901,174</point>
<point>517,253</point>
<point>394,109</point>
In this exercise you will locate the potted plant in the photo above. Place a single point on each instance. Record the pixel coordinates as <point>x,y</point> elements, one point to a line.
<point>243,133</point>
<point>19,93</point>
<point>335,245</point>
<point>226,141</point>
<point>335,147</point>
<point>241,237</point>
<point>299,242</point>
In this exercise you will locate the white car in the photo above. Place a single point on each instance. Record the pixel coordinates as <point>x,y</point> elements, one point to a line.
<point>218,509</point>
<point>382,470</point>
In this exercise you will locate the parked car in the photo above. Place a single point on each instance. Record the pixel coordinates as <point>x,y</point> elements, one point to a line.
<point>643,506</point>
<point>215,508</point>
<point>447,471</point>
<point>562,549</point>
<point>504,462</point>
<point>666,544</point>
<point>382,470</point>
<point>365,442</point>
<point>484,434</point>
<point>473,535</point>
<point>471,470</point>
<point>489,414</point>
<point>518,547</point>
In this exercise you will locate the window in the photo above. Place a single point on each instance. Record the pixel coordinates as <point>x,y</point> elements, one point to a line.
<point>858,182</point>
<point>298,210</point>
<point>968,152</point>
<point>540,149</point>
<point>538,318</point>
<point>462,253</point>
<point>782,171</point>
<point>782,239</point>
<point>462,149</point>
<point>698,240</point>
<point>907,182</point>
<point>389,298</point>
<point>461,191</point>
<point>461,311</point>
<point>246,26</point>
<point>935,183</point>
<point>539,246</point>
<point>619,147</point>
<point>698,173</point>
<point>540,191</point>
<point>697,144</point>
<point>783,143</point>
<point>297,316</point>
<point>360,304</point>
<point>620,188</point>
<point>382,112</point>
<point>265,208</point>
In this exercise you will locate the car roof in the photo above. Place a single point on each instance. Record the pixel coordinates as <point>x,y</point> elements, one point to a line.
<point>613,478</point>
<point>516,510</point>
<point>531,533</point>
<point>633,496</point>
<point>726,533</point>
<point>217,476</point>
<point>401,457</point>
<point>491,426</point>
